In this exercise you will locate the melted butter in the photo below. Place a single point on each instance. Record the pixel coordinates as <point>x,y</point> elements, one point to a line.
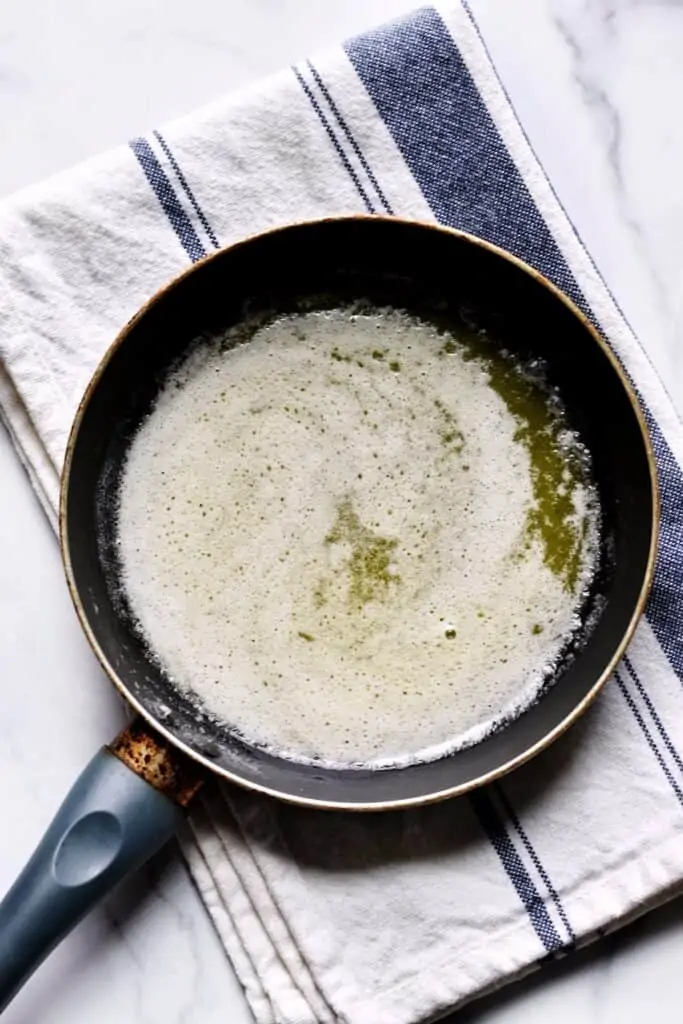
<point>557,475</point>
<point>355,540</point>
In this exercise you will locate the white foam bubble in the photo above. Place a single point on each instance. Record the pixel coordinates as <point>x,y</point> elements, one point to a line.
<point>321,537</point>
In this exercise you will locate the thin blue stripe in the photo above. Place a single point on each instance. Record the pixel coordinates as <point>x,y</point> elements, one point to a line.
<point>425,94</point>
<point>661,728</point>
<point>180,222</point>
<point>349,135</point>
<point>335,141</point>
<point>186,188</point>
<point>665,604</point>
<point>535,859</point>
<point>517,873</point>
<point>649,738</point>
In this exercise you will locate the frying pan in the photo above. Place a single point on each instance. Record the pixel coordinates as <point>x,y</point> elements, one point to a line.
<point>130,798</point>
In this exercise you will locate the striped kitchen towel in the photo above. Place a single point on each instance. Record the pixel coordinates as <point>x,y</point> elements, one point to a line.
<point>397,918</point>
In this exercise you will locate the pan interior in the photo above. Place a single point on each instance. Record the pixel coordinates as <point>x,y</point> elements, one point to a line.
<point>357,538</point>
<point>439,277</point>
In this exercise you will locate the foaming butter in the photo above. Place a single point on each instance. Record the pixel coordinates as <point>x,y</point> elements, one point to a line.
<point>355,538</point>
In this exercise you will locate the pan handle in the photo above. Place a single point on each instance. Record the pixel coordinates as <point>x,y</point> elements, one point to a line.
<point>111,822</point>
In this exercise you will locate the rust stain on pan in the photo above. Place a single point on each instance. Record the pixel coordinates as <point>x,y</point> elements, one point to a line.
<point>158,763</point>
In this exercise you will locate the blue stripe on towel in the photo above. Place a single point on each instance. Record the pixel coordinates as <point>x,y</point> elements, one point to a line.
<point>535,859</point>
<point>162,188</point>
<point>186,189</point>
<point>519,876</point>
<point>654,715</point>
<point>665,605</point>
<point>648,737</point>
<point>348,167</point>
<point>350,137</point>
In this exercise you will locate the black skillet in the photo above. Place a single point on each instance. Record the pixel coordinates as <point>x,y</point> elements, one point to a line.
<point>128,800</point>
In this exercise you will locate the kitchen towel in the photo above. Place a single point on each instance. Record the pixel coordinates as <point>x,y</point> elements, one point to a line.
<point>397,918</point>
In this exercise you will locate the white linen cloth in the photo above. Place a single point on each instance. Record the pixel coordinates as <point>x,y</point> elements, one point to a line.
<point>396,918</point>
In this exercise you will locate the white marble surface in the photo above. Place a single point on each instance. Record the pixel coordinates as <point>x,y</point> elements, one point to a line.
<point>597,84</point>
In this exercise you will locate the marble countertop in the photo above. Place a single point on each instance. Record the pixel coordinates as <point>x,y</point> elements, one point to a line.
<point>597,85</point>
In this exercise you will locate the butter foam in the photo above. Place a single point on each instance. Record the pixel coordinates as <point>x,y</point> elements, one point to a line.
<point>324,538</point>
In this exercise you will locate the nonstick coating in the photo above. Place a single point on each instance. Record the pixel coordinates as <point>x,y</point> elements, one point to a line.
<point>430,271</point>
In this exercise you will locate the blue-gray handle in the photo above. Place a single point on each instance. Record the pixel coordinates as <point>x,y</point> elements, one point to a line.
<point>110,823</point>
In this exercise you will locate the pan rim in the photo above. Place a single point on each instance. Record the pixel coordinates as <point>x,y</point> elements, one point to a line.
<point>401,802</point>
